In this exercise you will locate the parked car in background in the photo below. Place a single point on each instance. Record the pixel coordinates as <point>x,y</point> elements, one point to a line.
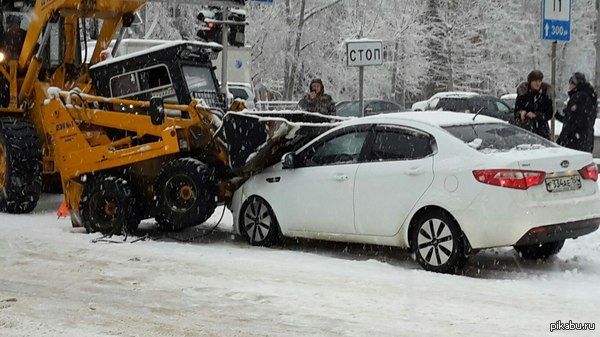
<point>371,106</point>
<point>432,101</point>
<point>244,92</point>
<point>509,99</point>
<point>482,104</point>
<point>440,183</point>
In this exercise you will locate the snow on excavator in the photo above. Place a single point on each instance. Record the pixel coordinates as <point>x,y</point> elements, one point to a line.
<point>132,137</point>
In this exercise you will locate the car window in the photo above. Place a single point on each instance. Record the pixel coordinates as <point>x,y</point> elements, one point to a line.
<point>349,109</point>
<point>502,108</point>
<point>493,137</point>
<point>396,143</point>
<point>238,93</point>
<point>433,104</point>
<point>453,104</point>
<point>342,149</point>
<point>390,107</point>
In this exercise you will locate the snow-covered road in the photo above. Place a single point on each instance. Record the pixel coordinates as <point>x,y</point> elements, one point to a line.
<point>55,282</point>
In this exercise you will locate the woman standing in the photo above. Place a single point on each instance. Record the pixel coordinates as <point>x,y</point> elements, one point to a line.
<point>579,116</point>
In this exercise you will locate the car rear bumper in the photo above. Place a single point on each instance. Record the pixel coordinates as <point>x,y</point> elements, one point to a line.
<point>561,231</point>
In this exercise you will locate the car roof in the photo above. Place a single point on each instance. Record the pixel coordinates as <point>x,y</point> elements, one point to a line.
<point>508,96</point>
<point>454,94</point>
<point>432,118</point>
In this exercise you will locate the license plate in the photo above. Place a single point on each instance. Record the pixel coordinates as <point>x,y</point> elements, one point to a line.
<point>561,184</point>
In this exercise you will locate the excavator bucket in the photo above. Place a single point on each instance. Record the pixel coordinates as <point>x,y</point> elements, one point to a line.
<point>259,139</point>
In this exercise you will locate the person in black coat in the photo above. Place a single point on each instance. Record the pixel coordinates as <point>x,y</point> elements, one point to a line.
<point>533,107</point>
<point>579,116</point>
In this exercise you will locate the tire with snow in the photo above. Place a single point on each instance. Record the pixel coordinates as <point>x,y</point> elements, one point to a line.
<point>540,251</point>
<point>20,166</point>
<point>258,224</point>
<point>186,194</point>
<point>109,206</point>
<point>437,242</point>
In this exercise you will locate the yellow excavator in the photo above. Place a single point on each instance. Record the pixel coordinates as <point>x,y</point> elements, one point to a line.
<point>132,137</point>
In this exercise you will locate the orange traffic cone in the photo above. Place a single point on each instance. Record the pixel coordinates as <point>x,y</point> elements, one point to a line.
<point>62,210</point>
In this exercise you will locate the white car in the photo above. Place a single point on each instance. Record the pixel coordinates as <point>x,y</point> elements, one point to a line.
<point>509,99</point>
<point>432,101</point>
<point>440,183</point>
<point>244,92</point>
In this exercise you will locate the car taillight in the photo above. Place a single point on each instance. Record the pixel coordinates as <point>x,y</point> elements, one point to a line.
<point>590,172</point>
<point>518,179</point>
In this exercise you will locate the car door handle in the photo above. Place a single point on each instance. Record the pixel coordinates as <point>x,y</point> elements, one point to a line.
<point>414,171</point>
<point>340,177</point>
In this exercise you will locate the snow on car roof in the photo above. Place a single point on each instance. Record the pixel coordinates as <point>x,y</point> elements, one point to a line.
<point>508,96</point>
<point>212,45</point>
<point>435,118</point>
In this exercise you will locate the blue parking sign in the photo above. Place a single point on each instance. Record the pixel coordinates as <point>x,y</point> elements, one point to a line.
<point>556,20</point>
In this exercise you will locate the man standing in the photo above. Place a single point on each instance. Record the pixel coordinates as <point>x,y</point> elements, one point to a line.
<point>533,107</point>
<point>579,116</point>
<point>317,100</point>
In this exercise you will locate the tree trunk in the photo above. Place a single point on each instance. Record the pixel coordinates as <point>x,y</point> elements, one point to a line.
<point>295,57</point>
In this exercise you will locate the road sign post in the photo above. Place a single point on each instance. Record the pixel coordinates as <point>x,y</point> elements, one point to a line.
<point>361,53</point>
<point>556,26</point>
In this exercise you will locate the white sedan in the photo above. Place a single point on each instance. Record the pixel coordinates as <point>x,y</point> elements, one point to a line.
<point>443,184</point>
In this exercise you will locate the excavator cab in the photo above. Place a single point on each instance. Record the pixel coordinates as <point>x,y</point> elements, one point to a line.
<point>177,72</point>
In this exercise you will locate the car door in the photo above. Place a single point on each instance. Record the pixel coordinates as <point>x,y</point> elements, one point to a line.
<point>398,169</point>
<point>319,193</point>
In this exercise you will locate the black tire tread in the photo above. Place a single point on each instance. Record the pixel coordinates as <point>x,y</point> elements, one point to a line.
<point>172,221</point>
<point>24,166</point>
<point>129,216</point>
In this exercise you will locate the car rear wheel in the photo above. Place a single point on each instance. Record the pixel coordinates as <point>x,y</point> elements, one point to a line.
<point>437,242</point>
<point>258,223</point>
<point>540,251</point>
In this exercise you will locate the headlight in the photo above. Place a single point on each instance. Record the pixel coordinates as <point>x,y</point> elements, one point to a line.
<point>2,57</point>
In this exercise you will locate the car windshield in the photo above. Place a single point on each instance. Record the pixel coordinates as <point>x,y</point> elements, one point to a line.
<point>238,93</point>
<point>495,137</point>
<point>198,78</point>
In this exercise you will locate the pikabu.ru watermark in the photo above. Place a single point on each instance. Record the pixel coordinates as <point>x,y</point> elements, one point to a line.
<point>570,325</point>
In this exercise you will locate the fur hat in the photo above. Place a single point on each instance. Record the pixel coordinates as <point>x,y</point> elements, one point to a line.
<point>577,79</point>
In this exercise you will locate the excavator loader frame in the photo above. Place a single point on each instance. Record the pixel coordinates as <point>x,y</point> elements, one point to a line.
<point>119,167</point>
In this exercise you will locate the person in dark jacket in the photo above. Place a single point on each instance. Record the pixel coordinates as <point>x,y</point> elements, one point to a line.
<point>579,116</point>
<point>533,107</point>
<point>317,100</point>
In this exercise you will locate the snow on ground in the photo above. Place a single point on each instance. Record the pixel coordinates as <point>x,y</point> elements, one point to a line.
<point>55,282</point>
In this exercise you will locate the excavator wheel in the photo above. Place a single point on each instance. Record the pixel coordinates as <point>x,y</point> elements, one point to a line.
<point>20,166</point>
<point>186,194</point>
<point>109,206</point>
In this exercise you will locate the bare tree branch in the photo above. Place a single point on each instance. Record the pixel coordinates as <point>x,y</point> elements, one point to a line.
<point>320,9</point>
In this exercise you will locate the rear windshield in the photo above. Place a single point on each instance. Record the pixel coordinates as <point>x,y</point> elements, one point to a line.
<point>453,104</point>
<point>494,137</point>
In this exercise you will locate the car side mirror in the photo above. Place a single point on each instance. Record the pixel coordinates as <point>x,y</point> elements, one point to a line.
<point>368,111</point>
<point>157,111</point>
<point>289,160</point>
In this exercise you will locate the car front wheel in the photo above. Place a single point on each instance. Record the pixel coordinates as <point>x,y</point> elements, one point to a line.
<point>437,243</point>
<point>258,223</point>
